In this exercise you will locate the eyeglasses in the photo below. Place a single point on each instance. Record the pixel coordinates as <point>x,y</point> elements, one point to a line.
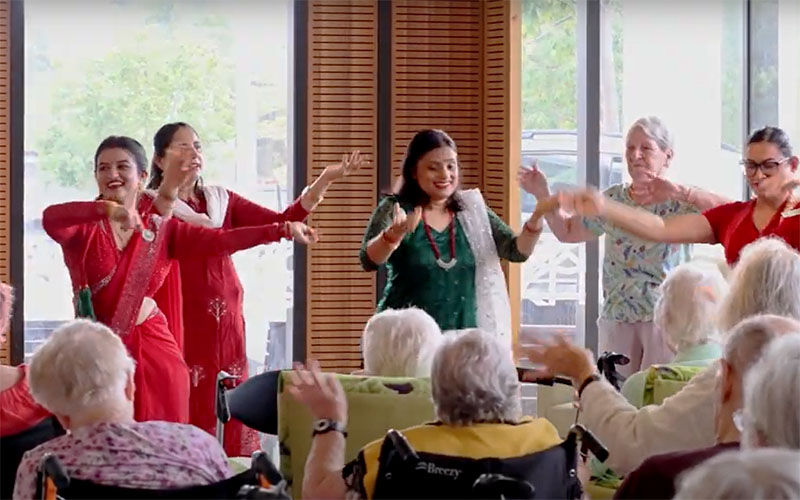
<point>768,167</point>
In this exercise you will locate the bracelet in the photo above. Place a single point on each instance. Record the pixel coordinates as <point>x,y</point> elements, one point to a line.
<point>594,377</point>
<point>287,232</point>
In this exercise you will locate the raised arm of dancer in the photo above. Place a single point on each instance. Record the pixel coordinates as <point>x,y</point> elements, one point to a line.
<point>517,247</point>
<point>316,190</point>
<point>660,189</point>
<point>64,221</point>
<point>175,175</point>
<point>690,228</point>
<point>246,213</point>
<point>387,227</point>
<point>567,229</point>
<point>187,241</point>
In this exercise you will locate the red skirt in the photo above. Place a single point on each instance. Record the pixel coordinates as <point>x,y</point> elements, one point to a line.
<point>162,377</point>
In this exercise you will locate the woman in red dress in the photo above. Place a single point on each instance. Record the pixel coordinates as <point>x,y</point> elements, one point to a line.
<point>121,248</point>
<point>212,293</point>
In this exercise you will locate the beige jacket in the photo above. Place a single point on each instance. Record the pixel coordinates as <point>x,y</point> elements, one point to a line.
<point>683,421</point>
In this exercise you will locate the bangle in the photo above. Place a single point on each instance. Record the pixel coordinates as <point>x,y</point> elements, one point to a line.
<point>594,377</point>
<point>287,232</point>
<point>387,239</point>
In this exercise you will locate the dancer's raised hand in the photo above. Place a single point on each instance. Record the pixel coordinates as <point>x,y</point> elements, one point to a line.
<point>350,164</point>
<point>127,218</point>
<point>588,202</point>
<point>403,223</point>
<point>533,181</point>
<point>179,166</point>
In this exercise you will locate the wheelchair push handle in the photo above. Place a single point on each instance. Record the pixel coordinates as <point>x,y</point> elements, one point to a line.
<point>588,441</point>
<point>53,477</point>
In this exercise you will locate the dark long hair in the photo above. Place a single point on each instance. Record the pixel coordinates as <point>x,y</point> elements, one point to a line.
<point>421,144</point>
<point>773,135</point>
<point>161,142</point>
<point>130,145</point>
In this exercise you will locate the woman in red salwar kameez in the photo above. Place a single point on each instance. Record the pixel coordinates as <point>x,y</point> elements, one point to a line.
<point>121,247</point>
<point>212,293</point>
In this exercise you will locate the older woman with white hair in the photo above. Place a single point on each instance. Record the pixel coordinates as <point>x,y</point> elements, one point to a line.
<point>84,375</point>
<point>400,343</point>
<point>765,473</point>
<point>686,419</point>
<point>632,269</point>
<point>771,414</point>
<point>686,313</point>
<point>476,395</point>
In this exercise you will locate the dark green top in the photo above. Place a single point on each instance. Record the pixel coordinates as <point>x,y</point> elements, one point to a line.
<point>414,278</point>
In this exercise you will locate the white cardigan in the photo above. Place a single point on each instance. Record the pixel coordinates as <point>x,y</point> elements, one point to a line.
<point>683,421</point>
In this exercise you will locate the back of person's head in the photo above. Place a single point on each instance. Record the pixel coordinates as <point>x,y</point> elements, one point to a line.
<point>82,367</point>
<point>766,280</point>
<point>686,310</point>
<point>748,340</point>
<point>772,396</point>
<point>6,300</point>
<point>763,473</point>
<point>473,379</point>
<point>400,343</point>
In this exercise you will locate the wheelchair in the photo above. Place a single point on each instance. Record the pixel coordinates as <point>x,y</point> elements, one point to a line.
<point>13,447</point>
<point>253,402</point>
<point>262,481</point>
<point>552,473</point>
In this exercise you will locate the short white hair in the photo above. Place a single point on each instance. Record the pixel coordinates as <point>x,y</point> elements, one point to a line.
<point>474,379</point>
<point>763,473</point>
<point>772,396</point>
<point>654,128</point>
<point>766,280</point>
<point>686,310</point>
<point>400,343</point>
<point>83,365</point>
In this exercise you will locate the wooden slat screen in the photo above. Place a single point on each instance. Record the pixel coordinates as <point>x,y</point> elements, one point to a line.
<point>343,115</point>
<point>5,154</point>
<point>501,130</point>
<point>436,58</point>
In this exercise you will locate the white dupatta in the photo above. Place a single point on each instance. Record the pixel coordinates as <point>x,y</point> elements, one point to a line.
<point>216,203</point>
<point>491,294</point>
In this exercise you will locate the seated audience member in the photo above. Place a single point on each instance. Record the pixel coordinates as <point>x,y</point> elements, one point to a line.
<point>764,473</point>
<point>400,343</point>
<point>18,410</point>
<point>476,394</point>
<point>655,478</point>
<point>765,281</point>
<point>771,413</point>
<point>686,314</point>
<point>84,376</point>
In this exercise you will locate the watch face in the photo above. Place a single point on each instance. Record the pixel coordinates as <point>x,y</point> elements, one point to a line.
<point>321,425</point>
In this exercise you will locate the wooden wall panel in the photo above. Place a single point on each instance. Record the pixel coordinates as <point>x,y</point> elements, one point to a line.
<point>5,155</point>
<point>436,57</point>
<point>342,116</point>
<point>502,123</point>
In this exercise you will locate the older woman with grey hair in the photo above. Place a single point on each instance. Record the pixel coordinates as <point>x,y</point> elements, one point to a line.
<point>84,375</point>
<point>771,414</point>
<point>686,419</point>
<point>476,394</point>
<point>400,343</point>
<point>765,473</point>
<point>686,312</point>
<point>632,269</point>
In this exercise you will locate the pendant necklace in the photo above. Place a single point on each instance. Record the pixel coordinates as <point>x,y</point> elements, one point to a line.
<point>441,263</point>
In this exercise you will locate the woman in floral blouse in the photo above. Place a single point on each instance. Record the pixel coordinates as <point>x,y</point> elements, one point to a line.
<point>84,376</point>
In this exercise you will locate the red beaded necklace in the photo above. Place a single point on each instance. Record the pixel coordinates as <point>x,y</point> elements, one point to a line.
<point>453,260</point>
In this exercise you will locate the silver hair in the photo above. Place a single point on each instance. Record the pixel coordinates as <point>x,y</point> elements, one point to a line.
<point>687,307</point>
<point>654,128</point>
<point>83,365</point>
<point>765,281</point>
<point>748,340</point>
<point>400,343</point>
<point>473,379</point>
<point>772,396</point>
<point>763,473</point>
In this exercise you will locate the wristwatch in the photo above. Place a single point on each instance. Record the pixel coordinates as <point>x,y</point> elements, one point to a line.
<point>326,425</point>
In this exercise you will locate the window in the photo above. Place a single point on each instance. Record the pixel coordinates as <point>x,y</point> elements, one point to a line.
<point>552,291</point>
<point>683,65</point>
<point>121,67</point>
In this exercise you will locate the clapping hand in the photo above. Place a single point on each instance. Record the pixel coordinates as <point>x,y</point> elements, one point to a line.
<point>655,190</point>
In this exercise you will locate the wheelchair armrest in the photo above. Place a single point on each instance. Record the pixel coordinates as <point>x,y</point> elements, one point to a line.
<point>588,442</point>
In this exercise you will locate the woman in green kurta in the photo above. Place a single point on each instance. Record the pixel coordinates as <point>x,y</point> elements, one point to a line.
<point>449,264</point>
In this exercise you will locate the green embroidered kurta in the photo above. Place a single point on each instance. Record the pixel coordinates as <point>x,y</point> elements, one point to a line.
<point>414,278</point>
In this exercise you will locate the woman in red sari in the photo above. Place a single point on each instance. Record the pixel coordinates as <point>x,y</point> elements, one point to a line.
<point>121,247</point>
<point>212,293</point>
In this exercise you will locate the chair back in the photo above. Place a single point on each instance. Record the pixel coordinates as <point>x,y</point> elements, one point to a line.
<point>375,405</point>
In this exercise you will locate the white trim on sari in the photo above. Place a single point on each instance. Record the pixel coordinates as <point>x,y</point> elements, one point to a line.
<point>491,294</point>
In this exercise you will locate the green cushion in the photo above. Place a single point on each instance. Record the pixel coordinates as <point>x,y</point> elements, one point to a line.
<point>663,381</point>
<point>373,409</point>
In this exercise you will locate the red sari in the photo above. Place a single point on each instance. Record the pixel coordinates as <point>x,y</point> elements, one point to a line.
<point>120,279</point>
<point>212,296</point>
